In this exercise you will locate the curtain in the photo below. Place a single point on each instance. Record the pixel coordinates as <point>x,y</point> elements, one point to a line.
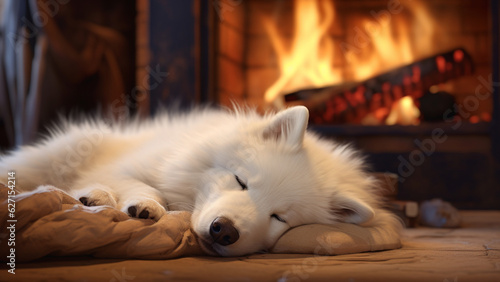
<point>60,58</point>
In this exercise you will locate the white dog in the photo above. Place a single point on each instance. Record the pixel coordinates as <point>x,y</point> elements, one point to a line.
<point>246,178</point>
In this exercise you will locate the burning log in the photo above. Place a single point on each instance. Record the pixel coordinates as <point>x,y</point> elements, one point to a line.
<point>350,103</point>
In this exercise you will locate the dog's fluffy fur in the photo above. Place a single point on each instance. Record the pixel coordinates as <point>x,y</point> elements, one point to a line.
<point>263,175</point>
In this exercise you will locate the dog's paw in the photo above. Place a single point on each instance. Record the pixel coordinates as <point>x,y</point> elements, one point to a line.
<point>97,195</point>
<point>144,208</point>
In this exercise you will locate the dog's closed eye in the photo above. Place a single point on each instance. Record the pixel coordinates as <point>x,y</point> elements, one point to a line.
<point>242,184</point>
<point>277,217</point>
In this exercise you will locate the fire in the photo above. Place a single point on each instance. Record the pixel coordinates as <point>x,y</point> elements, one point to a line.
<point>390,40</point>
<point>391,44</point>
<point>309,60</point>
<point>388,51</point>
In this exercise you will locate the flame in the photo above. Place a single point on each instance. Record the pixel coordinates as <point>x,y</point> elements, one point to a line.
<point>391,41</point>
<point>388,51</point>
<point>309,61</point>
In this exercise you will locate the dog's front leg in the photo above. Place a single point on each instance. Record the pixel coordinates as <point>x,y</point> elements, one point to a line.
<point>138,199</point>
<point>95,194</point>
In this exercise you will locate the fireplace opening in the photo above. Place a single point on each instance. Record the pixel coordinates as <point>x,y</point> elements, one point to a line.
<point>267,49</point>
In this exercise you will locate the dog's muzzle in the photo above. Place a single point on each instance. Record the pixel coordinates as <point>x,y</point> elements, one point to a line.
<point>223,231</point>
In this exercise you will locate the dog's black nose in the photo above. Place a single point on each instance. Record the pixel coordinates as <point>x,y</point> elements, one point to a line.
<point>223,231</point>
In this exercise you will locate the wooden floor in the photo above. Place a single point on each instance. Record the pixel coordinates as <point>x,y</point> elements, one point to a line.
<point>469,253</point>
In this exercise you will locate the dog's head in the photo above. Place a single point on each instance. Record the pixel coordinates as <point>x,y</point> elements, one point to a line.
<point>270,176</point>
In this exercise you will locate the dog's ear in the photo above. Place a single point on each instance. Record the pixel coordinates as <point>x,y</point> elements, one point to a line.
<point>288,126</point>
<point>351,209</point>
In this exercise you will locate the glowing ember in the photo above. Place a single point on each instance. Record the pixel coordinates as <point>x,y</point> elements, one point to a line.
<point>403,112</point>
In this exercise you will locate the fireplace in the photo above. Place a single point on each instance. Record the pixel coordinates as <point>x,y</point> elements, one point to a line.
<point>353,62</point>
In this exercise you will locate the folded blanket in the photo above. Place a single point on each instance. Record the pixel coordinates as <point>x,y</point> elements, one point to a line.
<point>47,221</point>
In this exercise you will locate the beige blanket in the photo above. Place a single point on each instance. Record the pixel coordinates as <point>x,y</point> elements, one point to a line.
<point>48,221</point>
